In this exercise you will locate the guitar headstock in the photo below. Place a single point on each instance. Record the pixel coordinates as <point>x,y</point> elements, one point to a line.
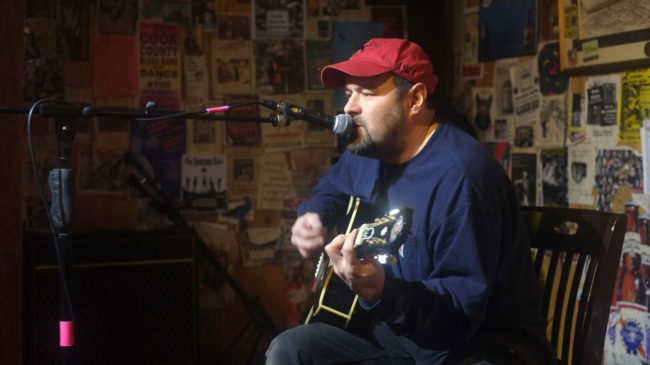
<point>383,237</point>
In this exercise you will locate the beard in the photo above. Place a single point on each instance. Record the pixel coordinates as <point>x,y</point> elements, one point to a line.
<point>386,142</point>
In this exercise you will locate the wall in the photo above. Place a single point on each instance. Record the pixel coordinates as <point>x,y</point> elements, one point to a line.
<point>11,143</point>
<point>565,122</point>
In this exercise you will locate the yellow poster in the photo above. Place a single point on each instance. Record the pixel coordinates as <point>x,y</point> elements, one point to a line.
<point>634,106</point>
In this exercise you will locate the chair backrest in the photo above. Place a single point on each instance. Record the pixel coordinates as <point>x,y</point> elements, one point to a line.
<point>576,255</point>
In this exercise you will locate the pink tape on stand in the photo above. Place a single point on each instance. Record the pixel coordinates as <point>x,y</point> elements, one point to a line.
<point>218,109</point>
<point>66,334</point>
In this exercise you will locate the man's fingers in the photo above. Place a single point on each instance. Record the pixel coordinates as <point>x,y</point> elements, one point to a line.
<point>333,249</point>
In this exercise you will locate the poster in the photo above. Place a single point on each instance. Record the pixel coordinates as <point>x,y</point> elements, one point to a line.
<point>203,182</point>
<point>231,68</point>
<point>601,109</point>
<point>582,173</point>
<point>159,65</point>
<point>552,121</point>
<point>275,19</point>
<point>279,66</point>
<point>157,146</point>
<point>635,104</point>
<point>524,177</point>
<point>507,28</point>
<point>525,91</point>
<point>554,177</point>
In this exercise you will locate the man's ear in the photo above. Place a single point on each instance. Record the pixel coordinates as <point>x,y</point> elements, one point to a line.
<point>418,97</point>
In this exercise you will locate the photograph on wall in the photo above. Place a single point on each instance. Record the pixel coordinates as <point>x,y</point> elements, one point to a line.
<point>205,136</point>
<point>279,66</point>
<point>582,174</point>
<point>503,86</point>
<point>483,112</point>
<point>524,177</point>
<point>275,19</point>
<point>195,70</point>
<point>619,173</point>
<point>551,126</point>
<point>507,28</point>
<point>555,190</point>
<point>576,129</point>
<point>233,27</point>
<point>231,68</point>
<point>242,172</point>
<point>524,136</point>
<point>203,182</point>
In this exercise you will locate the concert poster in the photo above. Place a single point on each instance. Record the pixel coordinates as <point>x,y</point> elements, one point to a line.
<point>203,182</point>
<point>159,65</point>
<point>524,177</point>
<point>278,20</point>
<point>231,68</point>
<point>554,177</point>
<point>279,66</point>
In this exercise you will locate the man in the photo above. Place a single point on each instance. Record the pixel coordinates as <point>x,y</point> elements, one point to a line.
<point>463,288</point>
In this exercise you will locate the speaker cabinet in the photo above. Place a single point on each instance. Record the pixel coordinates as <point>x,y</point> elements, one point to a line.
<point>133,296</point>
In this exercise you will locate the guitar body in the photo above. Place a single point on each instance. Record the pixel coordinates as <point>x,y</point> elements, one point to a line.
<point>332,300</point>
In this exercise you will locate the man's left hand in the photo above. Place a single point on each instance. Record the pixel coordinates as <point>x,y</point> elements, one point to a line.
<point>365,276</point>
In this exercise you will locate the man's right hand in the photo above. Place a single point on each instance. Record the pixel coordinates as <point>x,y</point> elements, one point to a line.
<point>308,235</point>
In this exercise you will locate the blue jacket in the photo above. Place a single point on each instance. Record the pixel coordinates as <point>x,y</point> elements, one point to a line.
<point>466,265</point>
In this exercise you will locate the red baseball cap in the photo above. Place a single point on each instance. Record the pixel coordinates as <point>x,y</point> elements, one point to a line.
<point>380,55</point>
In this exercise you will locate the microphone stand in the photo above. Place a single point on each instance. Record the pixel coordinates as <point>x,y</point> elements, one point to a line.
<point>62,216</point>
<point>258,317</point>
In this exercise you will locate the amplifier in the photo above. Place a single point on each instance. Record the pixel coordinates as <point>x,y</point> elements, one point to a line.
<point>133,296</point>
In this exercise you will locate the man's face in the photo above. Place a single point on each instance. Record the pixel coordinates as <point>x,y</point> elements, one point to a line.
<point>377,107</point>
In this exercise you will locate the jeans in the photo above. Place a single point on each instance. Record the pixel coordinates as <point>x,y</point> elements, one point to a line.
<point>320,343</point>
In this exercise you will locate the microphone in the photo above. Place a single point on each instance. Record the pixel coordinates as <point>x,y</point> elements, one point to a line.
<point>341,124</point>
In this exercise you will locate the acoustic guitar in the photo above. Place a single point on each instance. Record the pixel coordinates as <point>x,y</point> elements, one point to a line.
<point>333,301</point>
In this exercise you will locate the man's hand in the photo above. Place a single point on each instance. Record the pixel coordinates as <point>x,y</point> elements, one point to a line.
<point>365,276</point>
<point>308,235</point>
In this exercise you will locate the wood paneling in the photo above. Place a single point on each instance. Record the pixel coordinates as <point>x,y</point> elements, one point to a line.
<point>11,149</point>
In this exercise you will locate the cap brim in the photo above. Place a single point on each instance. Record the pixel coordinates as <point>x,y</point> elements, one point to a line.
<point>333,76</point>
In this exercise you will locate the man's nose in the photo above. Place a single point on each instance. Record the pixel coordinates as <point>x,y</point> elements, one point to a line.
<point>352,106</point>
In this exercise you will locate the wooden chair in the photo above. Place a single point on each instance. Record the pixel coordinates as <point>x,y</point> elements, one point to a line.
<point>576,254</point>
